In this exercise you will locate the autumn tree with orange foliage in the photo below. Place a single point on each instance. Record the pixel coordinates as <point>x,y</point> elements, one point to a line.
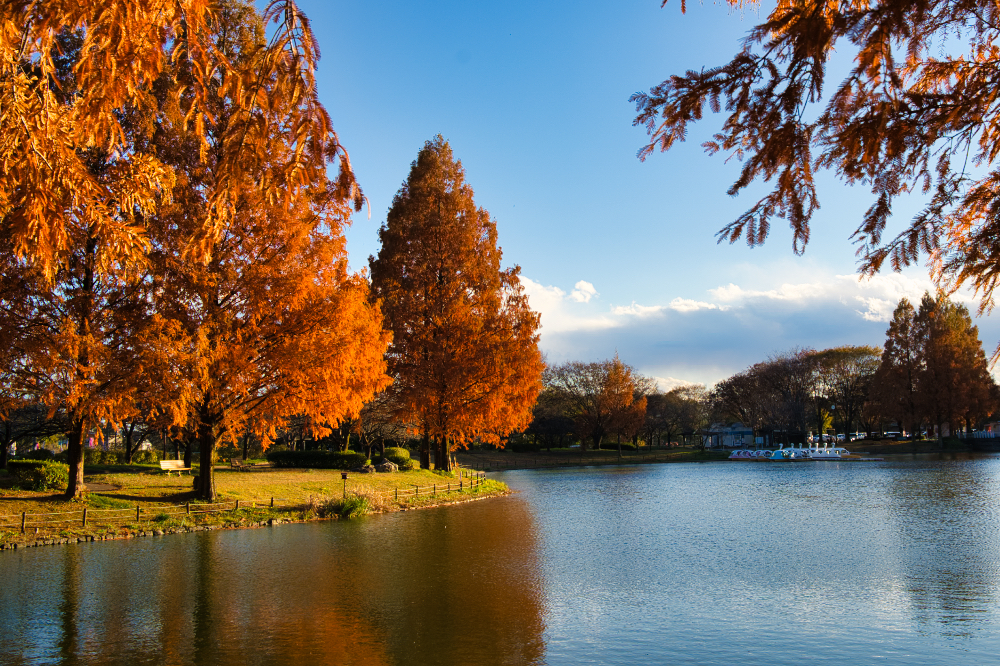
<point>93,93</point>
<point>72,197</point>
<point>916,112</point>
<point>464,355</point>
<point>607,397</point>
<point>269,322</point>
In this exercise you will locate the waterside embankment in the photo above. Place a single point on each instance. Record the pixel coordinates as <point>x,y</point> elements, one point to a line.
<point>139,502</point>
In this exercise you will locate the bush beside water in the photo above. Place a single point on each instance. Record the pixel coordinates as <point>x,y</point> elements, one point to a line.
<point>352,506</point>
<point>317,459</point>
<point>39,474</point>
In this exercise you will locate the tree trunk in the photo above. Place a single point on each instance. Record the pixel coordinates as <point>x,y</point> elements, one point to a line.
<point>75,487</point>
<point>188,454</point>
<point>128,445</point>
<point>7,441</point>
<point>445,455</point>
<point>206,443</point>
<point>74,455</point>
<point>425,451</point>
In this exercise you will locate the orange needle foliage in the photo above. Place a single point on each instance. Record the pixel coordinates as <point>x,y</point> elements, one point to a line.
<point>918,111</point>
<point>163,153</point>
<point>464,356</point>
<point>271,323</point>
<point>607,397</point>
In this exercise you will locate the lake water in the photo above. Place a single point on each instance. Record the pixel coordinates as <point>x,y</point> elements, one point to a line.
<point>715,563</point>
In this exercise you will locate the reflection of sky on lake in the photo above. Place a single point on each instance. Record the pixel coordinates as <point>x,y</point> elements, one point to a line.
<point>790,561</point>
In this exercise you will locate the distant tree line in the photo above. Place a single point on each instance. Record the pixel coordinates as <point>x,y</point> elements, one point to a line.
<point>608,404</point>
<point>931,376</point>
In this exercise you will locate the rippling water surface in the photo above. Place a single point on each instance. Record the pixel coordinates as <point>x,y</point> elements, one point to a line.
<point>715,563</point>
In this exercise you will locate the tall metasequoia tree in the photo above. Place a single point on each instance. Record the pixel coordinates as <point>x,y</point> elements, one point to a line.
<point>78,188</point>
<point>895,383</point>
<point>933,367</point>
<point>271,324</point>
<point>954,384</point>
<point>917,108</point>
<point>71,254</point>
<point>464,355</point>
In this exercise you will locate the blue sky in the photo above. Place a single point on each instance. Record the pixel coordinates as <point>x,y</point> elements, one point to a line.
<point>617,254</point>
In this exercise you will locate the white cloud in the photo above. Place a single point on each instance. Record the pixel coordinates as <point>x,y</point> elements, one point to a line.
<point>583,291</point>
<point>667,384</point>
<point>557,309</point>
<point>732,293</point>
<point>636,310</point>
<point>687,305</point>
<point>701,340</point>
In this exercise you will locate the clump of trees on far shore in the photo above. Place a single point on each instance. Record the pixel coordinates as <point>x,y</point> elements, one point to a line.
<point>610,403</point>
<point>932,375</point>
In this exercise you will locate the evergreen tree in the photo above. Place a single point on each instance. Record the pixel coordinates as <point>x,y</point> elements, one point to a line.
<point>933,367</point>
<point>895,387</point>
<point>954,383</point>
<point>464,354</point>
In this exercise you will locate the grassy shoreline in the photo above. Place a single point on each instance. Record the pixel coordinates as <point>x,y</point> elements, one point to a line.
<point>505,460</point>
<point>501,460</point>
<point>300,495</point>
<point>296,495</point>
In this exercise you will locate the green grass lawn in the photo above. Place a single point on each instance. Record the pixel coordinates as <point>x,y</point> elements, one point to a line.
<point>123,486</point>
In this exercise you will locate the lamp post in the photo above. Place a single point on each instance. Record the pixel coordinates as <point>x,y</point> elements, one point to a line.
<point>833,420</point>
<point>343,475</point>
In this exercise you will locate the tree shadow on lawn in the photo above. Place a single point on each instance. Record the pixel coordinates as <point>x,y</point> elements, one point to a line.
<point>57,497</point>
<point>177,498</point>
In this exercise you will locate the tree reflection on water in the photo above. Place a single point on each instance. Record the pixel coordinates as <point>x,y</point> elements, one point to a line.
<point>432,586</point>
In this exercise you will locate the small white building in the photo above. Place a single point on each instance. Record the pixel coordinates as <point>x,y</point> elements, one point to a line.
<point>728,436</point>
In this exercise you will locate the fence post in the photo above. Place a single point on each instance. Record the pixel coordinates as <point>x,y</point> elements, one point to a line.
<point>397,493</point>
<point>137,509</point>
<point>24,516</point>
<point>84,516</point>
<point>434,489</point>
<point>237,505</point>
<point>272,502</point>
<point>416,493</point>
<point>189,508</point>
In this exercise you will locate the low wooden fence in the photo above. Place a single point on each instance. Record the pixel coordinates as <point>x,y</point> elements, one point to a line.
<point>474,480</point>
<point>89,516</point>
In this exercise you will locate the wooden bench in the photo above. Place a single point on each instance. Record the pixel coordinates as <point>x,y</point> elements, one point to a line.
<point>238,464</point>
<point>169,466</point>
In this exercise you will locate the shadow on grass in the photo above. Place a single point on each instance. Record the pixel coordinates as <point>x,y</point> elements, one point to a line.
<point>176,498</point>
<point>57,497</point>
